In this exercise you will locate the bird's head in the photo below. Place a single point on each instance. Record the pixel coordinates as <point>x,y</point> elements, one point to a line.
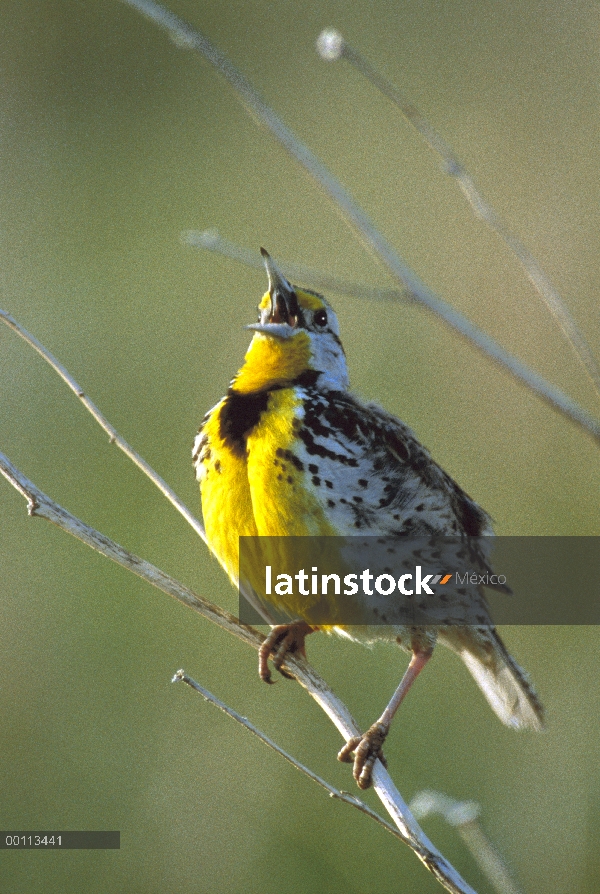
<point>297,339</point>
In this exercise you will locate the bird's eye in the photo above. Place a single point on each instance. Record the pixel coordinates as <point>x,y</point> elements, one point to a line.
<point>321,318</point>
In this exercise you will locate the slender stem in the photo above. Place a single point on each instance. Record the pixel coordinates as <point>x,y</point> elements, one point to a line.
<point>181,676</point>
<point>211,240</point>
<point>186,36</point>
<point>42,506</point>
<point>331,45</point>
<point>113,435</point>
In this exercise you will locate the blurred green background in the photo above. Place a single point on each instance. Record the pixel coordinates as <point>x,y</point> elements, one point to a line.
<point>113,142</point>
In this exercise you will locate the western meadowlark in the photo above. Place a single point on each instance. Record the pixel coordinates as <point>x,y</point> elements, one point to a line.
<point>290,451</point>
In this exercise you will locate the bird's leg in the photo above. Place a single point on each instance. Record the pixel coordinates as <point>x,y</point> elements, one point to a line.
<point>283,639</point>
<point>366,749</point>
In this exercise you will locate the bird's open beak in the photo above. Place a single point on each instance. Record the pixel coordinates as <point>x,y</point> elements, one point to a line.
<point>284,309</point>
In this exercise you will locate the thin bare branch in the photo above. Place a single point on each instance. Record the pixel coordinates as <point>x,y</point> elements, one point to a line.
<point>211,240</point>
<point>331,45</point>
<point>181,676</point>
<point>42,506</point>
<point>187,37</point>
<point>113,435</point>
<point>464,817</point>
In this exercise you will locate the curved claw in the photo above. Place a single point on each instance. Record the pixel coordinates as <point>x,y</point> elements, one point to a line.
<point>364,751</point>
<point>284,639</point>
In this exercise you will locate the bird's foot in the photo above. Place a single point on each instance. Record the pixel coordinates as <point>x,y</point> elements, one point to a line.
<point>284,639</point>
<point>364,751</point>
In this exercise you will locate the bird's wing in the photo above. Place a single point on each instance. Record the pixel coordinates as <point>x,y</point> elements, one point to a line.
<point>373,476</point>
<point>447,508</point>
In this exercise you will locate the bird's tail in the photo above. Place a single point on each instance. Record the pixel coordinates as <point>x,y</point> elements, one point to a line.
<point>505,685</point>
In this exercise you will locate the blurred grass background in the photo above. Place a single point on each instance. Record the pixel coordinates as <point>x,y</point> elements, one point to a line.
<point>114,141</point>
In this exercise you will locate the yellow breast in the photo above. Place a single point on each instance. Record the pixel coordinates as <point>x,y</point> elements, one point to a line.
<point>225,492</point>
<point>252,482</point>
<point>282,504</point>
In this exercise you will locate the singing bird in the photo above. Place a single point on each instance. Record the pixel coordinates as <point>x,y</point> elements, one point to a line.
<point>291,451</point>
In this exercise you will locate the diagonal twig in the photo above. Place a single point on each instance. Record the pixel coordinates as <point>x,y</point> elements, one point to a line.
<point>181,676</point>
<point>211,240</point>
<point>113,435</point>
<point>331,46</point>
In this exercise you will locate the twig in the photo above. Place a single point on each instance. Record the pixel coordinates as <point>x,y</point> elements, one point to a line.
<point>186,36</point>
<point>464,817</point>
<point>113,435</point>
<point>42,506</point>
<point>181,676</point>
<point>331,46</point>
<point>211,240</point>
